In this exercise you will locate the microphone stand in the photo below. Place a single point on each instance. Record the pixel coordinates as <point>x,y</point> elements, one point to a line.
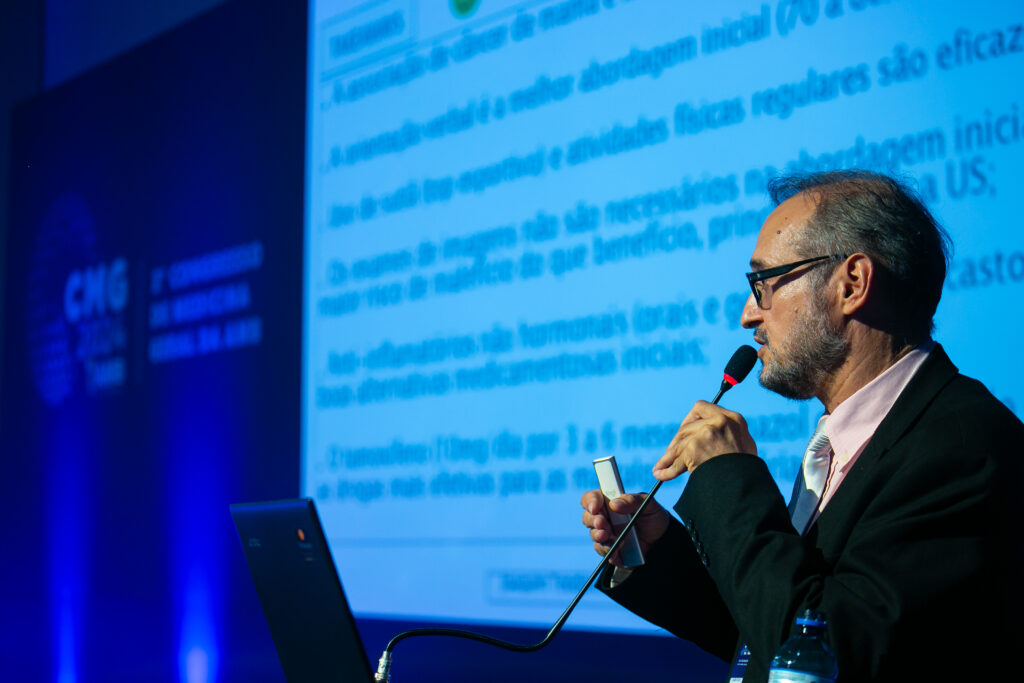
<point>384,664</point>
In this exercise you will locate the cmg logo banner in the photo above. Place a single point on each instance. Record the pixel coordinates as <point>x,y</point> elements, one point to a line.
<point>77,307</point>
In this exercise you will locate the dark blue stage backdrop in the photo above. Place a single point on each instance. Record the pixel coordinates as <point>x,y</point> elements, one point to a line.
<point>423,261</point>
<point>151,370</point>
<point>151,373</point>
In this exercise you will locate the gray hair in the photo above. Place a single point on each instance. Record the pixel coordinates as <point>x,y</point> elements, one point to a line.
<point>870,213</point>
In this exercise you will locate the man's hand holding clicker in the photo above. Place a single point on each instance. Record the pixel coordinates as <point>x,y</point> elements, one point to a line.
<point>649,528</point>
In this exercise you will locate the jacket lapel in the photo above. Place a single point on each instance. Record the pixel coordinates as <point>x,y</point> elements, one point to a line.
<point>935,373</point>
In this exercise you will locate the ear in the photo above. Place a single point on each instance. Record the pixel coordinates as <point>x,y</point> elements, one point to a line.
<point>855,280</point>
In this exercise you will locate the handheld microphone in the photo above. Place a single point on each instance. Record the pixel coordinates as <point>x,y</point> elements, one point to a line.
<point>736,370</point>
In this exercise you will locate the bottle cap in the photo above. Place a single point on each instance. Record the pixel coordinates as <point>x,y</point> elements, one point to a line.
<point>810,617</point>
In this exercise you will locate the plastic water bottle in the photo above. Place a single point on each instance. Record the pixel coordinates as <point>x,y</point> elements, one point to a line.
<point>806,657</point>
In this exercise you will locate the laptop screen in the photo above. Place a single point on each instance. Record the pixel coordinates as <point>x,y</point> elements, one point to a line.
<point>303,601</point>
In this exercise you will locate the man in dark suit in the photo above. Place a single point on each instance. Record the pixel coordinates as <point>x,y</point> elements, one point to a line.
<point>904,525</point>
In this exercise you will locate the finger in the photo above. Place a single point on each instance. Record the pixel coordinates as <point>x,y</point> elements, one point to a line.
<point>627,503</point>
<point>672,464</point>
<point>672,472</point>
<point>593,501</point>
<point>603,550</point>
<point>702,410</point>
<point>667,458</point>
<point>596,521</point>
<point>673,459</point>
<point>702,417</point>
<point>686,431</point>
<point>696,413</point>
<point>672,453</point>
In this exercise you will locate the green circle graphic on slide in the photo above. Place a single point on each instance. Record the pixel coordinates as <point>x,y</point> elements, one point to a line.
<point>463,8</point>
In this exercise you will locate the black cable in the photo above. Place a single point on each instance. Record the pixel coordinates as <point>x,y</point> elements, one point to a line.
<point>385,660</point>
<point>738,367</point>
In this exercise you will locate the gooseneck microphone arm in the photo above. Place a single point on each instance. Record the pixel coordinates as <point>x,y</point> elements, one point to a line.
<point>736,371</point>
<point>384,665</point>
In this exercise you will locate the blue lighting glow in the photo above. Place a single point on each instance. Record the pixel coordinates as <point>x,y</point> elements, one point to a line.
<point>198,651</point>
<point>67,651</point>
<point>196,479</point>
<point>68,559</point>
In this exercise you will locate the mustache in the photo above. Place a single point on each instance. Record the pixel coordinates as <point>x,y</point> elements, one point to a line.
<point>761,336</point>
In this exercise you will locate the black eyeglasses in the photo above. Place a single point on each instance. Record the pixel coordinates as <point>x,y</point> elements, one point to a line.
<point>763,294</point>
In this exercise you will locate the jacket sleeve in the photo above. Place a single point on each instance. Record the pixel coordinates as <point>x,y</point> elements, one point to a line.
<point>914,568</point>
<point>674,591</point>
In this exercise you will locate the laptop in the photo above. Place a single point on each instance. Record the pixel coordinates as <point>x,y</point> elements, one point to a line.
<point>305,606</point>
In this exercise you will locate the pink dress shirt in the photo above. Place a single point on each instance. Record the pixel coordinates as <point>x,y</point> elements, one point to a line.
<point>855,420</point>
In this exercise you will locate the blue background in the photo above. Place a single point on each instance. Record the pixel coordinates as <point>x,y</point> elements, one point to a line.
<point>119,559</point>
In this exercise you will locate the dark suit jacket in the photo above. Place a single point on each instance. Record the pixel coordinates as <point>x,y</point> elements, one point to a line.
<point>916,560</point>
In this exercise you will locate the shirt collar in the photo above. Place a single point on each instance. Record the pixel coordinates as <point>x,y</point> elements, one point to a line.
<point>855,420</point>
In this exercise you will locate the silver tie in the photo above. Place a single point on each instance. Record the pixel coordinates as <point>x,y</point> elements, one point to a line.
<point>810,482</point>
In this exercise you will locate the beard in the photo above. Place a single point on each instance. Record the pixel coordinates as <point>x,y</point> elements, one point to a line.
<point>809,353</point>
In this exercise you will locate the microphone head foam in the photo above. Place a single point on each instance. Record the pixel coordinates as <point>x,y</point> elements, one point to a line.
<point>740,365</point>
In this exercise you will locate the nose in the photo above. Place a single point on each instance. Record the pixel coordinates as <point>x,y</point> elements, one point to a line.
<point>752,314</point>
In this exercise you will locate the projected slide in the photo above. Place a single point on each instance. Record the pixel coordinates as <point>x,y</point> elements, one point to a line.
<point>527,228</point>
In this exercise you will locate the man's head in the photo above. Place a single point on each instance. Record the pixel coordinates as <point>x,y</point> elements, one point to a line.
<point>886,262</point>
